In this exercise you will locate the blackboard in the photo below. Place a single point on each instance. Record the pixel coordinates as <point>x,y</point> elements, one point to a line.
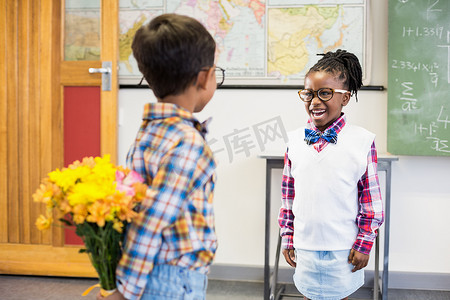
<point>419,77</point>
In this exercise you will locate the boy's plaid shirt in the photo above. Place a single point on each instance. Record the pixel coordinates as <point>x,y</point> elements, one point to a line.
<point>371,214</point>
<point>176,221</point>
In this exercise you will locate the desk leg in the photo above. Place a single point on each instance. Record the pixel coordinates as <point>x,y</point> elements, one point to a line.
<point>274,281</point>
<point>376,276</point>
<point>267,233</point>
<point>386,234</point>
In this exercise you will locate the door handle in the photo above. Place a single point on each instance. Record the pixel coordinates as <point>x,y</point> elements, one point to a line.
<point>99,70</point>
<point>106,71</point>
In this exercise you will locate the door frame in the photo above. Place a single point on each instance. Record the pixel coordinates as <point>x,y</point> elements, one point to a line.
<point>47,254</point>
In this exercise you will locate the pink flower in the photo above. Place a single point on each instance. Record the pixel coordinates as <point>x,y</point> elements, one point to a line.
<point>125,182</point>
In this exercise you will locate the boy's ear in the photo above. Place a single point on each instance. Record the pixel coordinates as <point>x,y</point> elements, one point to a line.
<point>203,77</point>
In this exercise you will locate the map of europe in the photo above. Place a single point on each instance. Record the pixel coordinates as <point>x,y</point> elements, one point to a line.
<point>258,41</point>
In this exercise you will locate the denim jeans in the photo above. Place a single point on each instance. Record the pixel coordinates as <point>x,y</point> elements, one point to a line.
<point>172,282</point>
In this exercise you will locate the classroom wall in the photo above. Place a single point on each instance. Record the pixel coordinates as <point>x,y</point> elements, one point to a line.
<point>419,238</point>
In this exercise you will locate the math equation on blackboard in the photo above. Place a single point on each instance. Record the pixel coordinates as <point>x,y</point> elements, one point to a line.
<point>419,77</point>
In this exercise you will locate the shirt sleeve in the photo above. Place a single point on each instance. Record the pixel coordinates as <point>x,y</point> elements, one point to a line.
<point>166,197</point>
<point>371,215</point>
<point>286,217</point>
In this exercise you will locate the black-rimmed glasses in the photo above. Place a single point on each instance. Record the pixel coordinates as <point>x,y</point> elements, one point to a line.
<point>220,76</point>
<point>323,94</point>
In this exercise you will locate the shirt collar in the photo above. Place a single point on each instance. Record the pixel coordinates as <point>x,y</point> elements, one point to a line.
<point>337,125</point>
<point>159,110</point>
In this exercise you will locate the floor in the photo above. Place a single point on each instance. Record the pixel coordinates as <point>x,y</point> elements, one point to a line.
<point>56,288</point>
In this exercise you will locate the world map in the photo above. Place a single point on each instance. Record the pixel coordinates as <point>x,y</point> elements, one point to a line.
<point>258,42</point>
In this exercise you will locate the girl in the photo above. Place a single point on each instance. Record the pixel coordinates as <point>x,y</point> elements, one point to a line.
<point>331,203</point>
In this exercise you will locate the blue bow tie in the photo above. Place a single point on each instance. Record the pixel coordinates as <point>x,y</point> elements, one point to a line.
<point>312,136</point>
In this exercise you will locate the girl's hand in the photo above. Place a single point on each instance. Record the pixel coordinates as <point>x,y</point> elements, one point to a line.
<point>358,260</point>
<point>289,255</point>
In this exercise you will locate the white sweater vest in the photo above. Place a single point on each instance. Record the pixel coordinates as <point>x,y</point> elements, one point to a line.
<point>326,192</point>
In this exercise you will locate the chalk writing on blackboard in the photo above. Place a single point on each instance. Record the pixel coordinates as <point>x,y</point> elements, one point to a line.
<point>432,8</point>
<point>429,131</point>
<point>419,77</point>
<point>423,31</point>
<point>408,99</point>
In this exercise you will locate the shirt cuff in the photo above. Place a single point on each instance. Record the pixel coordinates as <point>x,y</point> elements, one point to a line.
<point>130,292</point>
<point>287,242</point>
<point>363,246</point>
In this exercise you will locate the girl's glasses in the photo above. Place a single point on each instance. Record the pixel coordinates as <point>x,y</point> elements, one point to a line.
<point>323,94</point>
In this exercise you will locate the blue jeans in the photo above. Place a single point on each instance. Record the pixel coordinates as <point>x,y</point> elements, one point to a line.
<point>172,282</point>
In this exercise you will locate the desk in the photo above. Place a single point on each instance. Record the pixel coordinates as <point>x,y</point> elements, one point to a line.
<point>270,290</point>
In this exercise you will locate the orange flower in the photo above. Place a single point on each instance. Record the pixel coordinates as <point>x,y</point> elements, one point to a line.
<point>44,193</point>
<point>43,223</point>
<point>79,213</point>
<point>65,207</point>
<point>98,212</point>
<point>92,190</point>
<point>140,190</point>
<point>87,161</point>
<point>125,210</point>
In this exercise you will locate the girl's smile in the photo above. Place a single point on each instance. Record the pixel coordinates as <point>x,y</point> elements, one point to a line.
<point>317,113</point>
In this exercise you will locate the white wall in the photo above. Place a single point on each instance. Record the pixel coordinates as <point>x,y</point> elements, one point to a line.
<point>420,239</point>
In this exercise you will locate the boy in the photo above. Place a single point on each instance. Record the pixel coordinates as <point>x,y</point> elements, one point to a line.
<point>169,247</point>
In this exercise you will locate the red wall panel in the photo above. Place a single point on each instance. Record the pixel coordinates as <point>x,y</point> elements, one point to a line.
<point>81,131</point>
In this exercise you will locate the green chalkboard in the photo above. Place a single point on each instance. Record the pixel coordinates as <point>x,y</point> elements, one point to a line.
<point>419,77</point>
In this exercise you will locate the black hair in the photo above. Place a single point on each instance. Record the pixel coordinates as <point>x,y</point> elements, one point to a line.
<point>344,65</point>
<point>171,50</point>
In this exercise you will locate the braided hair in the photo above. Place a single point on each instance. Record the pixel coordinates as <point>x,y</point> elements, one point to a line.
<point>344,65</point>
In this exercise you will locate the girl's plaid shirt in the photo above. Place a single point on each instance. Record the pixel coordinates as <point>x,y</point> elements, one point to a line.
<point>176,221</point>
<point>371,214</point>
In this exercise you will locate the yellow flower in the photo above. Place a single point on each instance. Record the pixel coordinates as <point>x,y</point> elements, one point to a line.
<point>103,172</point>
<point>81,173</point>
<point>92,190</point>
<point>43,223</point>
<point>118,226</point>
<point>89,192</point>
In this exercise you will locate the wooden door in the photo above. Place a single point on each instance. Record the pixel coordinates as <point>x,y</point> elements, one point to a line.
<point>42,102</point>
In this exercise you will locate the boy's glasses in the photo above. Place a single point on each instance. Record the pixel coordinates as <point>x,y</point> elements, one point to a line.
<point>323,94</point>
<point>220,76</point>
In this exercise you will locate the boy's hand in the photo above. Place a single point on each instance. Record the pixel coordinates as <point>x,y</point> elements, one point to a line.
<point>358,260</point>
<point>289,255</point>
<point>114,296</point>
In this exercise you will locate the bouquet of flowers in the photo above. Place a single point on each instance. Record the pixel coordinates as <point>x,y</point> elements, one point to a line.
<point>97,198</point>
